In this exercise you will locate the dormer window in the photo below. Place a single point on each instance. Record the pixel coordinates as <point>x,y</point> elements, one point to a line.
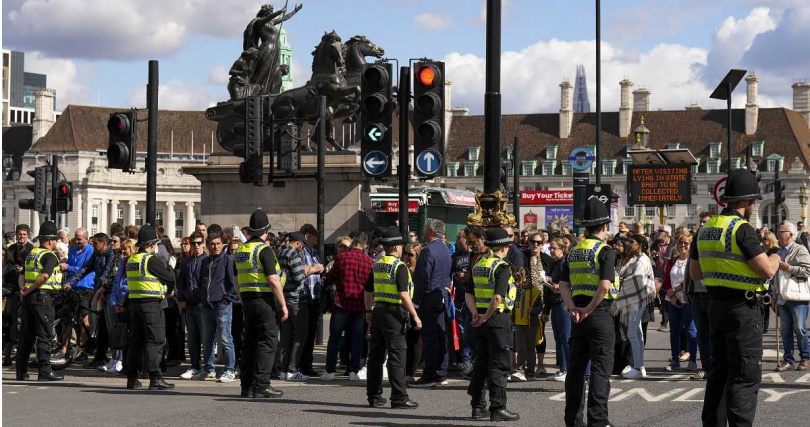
<point>758,148</point>
<point>673,145</point>
<point>567,169</point>
<point>608,167</point>
<point>452,169</point>
<point>715,150</point>
<point>735,163</point>
<point>775,163</point>
<point>472,154</point>
<point>470,168</point>
<point>549,166</point>
<point>551,152</point>
<point>528,167</point>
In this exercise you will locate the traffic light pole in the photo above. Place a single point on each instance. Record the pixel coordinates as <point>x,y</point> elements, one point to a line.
<point>404,168</point>
<point>516,182</point>
<point>598,140</point>
<point>492,100</point>
<point>321,169</point>
<point>54,184</point>
<point>151,152</point>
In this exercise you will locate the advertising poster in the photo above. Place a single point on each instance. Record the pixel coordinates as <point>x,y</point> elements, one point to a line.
<point>559,216</point>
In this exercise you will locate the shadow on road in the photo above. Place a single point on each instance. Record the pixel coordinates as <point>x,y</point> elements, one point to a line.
<point>386,414</point>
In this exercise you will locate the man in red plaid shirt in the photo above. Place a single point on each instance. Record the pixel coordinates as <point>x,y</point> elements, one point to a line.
<point>350,273</point>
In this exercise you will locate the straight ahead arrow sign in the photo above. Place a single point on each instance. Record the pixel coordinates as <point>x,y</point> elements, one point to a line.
<point>429,158</point>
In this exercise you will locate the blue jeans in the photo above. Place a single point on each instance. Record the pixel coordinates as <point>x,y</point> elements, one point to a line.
<point>561,325</point>
<point>699,307</point>
<point>636,336</point>
<point>350,322</point>
<point>793,315</point>
<point>218,318</point>
<point>195,329</point>
<point>679,318</point>
<point>467,342</point>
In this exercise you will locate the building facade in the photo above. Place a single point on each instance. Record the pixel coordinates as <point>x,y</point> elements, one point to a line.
<point>20,89</point>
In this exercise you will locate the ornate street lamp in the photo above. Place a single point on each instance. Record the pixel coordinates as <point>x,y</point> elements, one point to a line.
<point>803,199</point>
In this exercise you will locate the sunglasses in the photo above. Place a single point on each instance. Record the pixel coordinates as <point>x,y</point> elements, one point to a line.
<point>184,244</point>
<point>410,254</point>
<point>196,243</point>
<point>342,247</point>
<point>537,242</point>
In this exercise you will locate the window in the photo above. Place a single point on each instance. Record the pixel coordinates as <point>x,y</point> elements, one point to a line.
<point>138,218</point>
<point>158,218</point>
<point>650,211</point>
<point>673,145</point>
<point>626,166</point>
<point>472,153</point>
<point>551,152</point>
<point>774,163</point>
<point>470,168</point>
<point>714,150</point>
<point>548,168</point>
<point>713,166</point>
<point>691,210</point>
<point>713,209</point>
<point>566,168</point>
<point>608,167</point>
<point>452,169</point>
<point>529,167</point>
<point>119,216</point>
<point>735,163</point>
<point>510,170</point>
<point>758,148</point>
<point>94,215</point>
<point>178,224</point>
<point>694,168</point>
<point>630,211</point>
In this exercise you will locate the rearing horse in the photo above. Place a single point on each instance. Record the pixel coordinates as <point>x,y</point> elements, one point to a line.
<point>327,80</point>
<point>355,52</point>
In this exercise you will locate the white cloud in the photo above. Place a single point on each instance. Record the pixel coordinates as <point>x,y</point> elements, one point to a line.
<point>432,21</point>
<point>300,73</point>
<point>175,95</point>
<point>530,77</point>
<point>62,75</point>
<point>219,75</point>
<point>123,29</point>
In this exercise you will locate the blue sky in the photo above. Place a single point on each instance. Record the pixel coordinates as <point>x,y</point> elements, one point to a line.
<point>677,48</point>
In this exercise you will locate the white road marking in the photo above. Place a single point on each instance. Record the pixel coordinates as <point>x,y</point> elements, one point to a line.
<point>775,396</point>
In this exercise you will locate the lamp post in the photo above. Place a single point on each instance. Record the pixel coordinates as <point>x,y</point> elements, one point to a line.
<point>803,199</point>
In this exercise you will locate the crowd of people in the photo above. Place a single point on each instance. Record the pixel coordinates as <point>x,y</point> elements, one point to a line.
<point>209,316</point>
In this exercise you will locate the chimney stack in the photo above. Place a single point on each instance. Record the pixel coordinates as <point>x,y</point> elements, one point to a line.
<point>801,100</point>
<point>566,111</point>
<point>44,105</point>
<point>626,109</point>
<point>641,99</point>
<point>751,107</point>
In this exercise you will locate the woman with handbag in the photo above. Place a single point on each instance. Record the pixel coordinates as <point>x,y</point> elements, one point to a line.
<point>792,293</point>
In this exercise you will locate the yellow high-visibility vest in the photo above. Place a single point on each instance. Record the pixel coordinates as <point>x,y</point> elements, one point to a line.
<point>483,274</point>
<point>142,283</point>
<point>33,268</point>
<point>721,259</point>
<point>584,266</point>
<point>249,268</point>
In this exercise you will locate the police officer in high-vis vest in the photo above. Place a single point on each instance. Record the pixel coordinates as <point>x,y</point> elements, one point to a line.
<point>149,280</point>
<point>388,294</point>
<point>729,260</point>
<point>262,298</point>
<point>588,284</point>
<point>491,299</point>
<point>43,280</point>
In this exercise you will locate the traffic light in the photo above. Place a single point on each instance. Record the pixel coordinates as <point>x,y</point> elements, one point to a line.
<point>778,191</point>
<point>123,144</point>
<point>376,111</point>
<point>429,111</point>
<point>38,188</point>
<point>64,197</point>
<point>251,129</point>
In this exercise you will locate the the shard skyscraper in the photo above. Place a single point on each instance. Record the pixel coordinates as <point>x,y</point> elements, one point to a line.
<point>581,102</point>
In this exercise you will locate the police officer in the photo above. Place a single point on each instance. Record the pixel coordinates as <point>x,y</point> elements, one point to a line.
<point>388,294</point>
<point>733,266</point>
<point>587,284</point>
<point>490,299</point>
<point>262,297</point>
<point>149,280</point>
<point>43,280</point>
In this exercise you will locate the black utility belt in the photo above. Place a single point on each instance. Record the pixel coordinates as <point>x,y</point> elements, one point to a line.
<point>505,311</point>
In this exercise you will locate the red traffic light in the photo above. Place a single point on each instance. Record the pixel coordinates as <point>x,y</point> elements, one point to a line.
<point>119,124</point>
<point>64,189</point>
<point>428,75</point>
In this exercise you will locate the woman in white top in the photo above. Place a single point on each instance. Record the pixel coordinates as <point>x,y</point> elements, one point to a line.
<point>680,317</point>
<point>637,291</point>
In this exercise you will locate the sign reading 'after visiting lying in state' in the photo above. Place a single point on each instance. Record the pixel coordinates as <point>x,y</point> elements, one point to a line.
<point>659,185</point>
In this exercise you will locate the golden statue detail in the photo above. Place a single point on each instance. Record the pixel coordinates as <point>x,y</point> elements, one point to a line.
<point>490,211</point>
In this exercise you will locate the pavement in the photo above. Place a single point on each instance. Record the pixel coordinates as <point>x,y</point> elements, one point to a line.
<point>665,398</point>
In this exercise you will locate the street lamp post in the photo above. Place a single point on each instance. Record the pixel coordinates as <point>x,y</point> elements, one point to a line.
<point>803,199</point>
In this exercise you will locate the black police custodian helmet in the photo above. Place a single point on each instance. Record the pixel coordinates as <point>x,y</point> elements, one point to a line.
<point>596,213</point>
<point>47,231</point>
<point>391,237</point>
<point>258,222</point>
<point>741,185</point>
<point>498,237</point>
<point>146,236</point>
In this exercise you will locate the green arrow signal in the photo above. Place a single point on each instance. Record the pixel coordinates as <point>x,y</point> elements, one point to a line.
<point>375,132</point>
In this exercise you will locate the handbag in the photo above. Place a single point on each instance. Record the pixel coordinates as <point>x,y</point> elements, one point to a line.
<point>118,336</point>
<point>793,288</point>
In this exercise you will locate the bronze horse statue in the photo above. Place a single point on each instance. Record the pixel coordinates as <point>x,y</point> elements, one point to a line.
<point>355,52</point>
<point>327,80</point>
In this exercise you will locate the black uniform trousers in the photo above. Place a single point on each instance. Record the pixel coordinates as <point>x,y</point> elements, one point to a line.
<point>388,325</point>
<point>294,333</point>
<point>493,358</point>
<point>314,310</point>
<point>147,332</point>
<point>591,340</point>
<point>37,323</point>
<point>260,341</point>
<point>736,368</point>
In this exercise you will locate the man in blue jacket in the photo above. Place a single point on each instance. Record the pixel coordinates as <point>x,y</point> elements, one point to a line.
<point>218,294</point>
<point>99,265</point>
<point>80,255</point>
<point>188,297</point>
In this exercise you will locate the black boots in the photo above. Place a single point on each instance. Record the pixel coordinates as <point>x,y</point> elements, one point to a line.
<point>267,393</point>
<point>159,384</point>
<point>50,376</point>
<point>504,415</point>
<point>133,383</point>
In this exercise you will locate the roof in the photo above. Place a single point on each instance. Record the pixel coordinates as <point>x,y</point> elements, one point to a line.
<point>84,128</point>
<point>784,132</point>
